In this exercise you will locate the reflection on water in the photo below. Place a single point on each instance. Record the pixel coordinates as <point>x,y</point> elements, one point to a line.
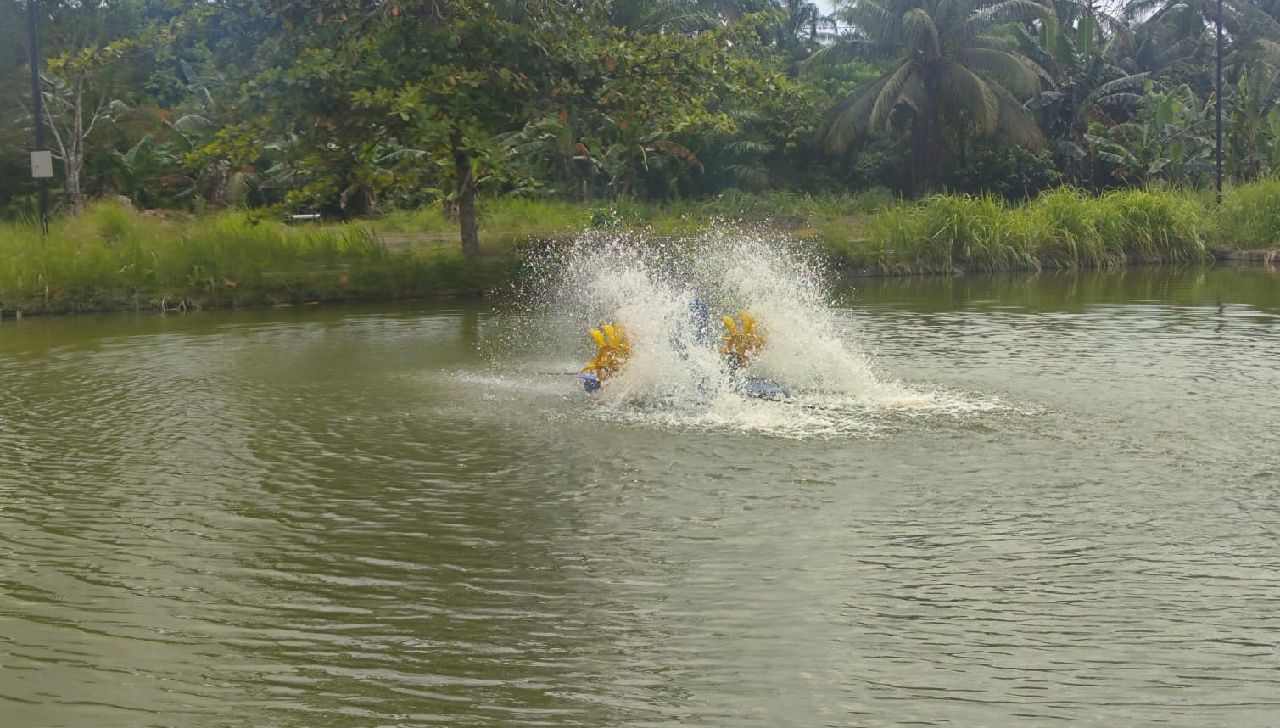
<point>1075,290</point>
<point>387,516</point>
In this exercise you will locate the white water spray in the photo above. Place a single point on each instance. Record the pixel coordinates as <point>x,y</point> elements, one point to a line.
<point>675,375</point>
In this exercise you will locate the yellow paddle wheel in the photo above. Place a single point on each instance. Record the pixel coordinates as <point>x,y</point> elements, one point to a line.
<point>742,341</point>
<point>612,350</point>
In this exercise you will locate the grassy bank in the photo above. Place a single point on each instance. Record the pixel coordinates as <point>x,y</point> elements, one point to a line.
<point>113,258</point>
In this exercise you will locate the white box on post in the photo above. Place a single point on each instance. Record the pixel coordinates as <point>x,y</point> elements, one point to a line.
<point>42,165</point>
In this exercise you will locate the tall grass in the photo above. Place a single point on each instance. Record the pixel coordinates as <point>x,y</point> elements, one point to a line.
<point>1249,217</point>
<point>1069,231</point>
<point>946,232</point>
<point>110,257</point>
<point>1063,228</point>
<point>507,217</point>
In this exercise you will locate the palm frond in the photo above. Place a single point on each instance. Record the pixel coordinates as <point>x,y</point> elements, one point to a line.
<point>1016,125</point>
<point>1006,11</point>
<point>1254,21</point>
<point>401,155</point>
<point>677,150</point>
<point>873,19</point>
<point>1270,50</point>
<point>1071,150</point>
<point>1124,83</point>
<point>750,147</point>
<point>1134,9</point>
<point>1017,73</point>
<point>189,123</point>
<point>1120,85</point>
<point>920,33</point>
<point>968,99</point>
<point>1051,51</point>
<point>889,95</point>
<point>847,122</point>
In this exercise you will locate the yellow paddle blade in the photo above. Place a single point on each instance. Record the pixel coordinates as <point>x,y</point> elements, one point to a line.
<point>612,350</point>
<point>741,342</point>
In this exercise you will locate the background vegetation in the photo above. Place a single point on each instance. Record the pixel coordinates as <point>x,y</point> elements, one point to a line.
<point>111,257</point>
<point>1067,132</point>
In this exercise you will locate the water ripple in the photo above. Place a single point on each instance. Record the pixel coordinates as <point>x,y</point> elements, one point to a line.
<point>346,518</point>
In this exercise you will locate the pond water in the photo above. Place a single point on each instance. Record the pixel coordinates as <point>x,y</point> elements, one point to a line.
<point>1064,504</point>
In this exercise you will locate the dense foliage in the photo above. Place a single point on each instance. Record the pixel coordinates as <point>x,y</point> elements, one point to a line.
<point>357,108</point>
<point>110,257</point>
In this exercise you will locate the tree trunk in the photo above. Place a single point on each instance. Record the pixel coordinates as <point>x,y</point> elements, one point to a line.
<point>71,142</point>
<point>75,160</point>
<point>75,198</point>
<point>466,197</point>
<point>927,148</point>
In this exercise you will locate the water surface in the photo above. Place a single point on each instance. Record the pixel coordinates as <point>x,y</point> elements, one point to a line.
<point>376,516</point>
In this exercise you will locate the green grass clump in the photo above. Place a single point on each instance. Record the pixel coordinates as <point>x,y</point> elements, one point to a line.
<point>944,233</point>
<point>1154,225</point>
<point>1249,217</point>
<point>502,217</point>
<point>1068,231</point>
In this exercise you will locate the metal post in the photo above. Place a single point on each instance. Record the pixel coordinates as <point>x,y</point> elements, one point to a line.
<point>37,105</point>
<point>1218,103</point>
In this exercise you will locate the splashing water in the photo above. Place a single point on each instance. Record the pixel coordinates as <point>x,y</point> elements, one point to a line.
<point>675,376</point>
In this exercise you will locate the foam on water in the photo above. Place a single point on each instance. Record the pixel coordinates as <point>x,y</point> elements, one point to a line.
<point>676,378</point>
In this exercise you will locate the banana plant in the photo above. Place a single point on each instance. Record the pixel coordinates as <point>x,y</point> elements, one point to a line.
<point>633,151</point>
<point>553,147</point>
<point>1168,143</point>
<point>147,173</point>
<point>1250,126</point>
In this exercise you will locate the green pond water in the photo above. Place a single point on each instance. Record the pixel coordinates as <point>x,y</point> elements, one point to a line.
<point>412,515</point>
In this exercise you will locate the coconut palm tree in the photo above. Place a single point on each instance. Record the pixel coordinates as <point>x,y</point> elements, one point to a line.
<point>1170,30</point>
<point>954,69</point>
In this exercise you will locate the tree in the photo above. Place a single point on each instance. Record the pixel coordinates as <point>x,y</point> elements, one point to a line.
<point>952,70</point>
<point>446,79</point>
<point>89,46</point>
<point>1181,31</point>
<point>795,30</point>
<point>76,101</point>
<point>1080,45</point>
